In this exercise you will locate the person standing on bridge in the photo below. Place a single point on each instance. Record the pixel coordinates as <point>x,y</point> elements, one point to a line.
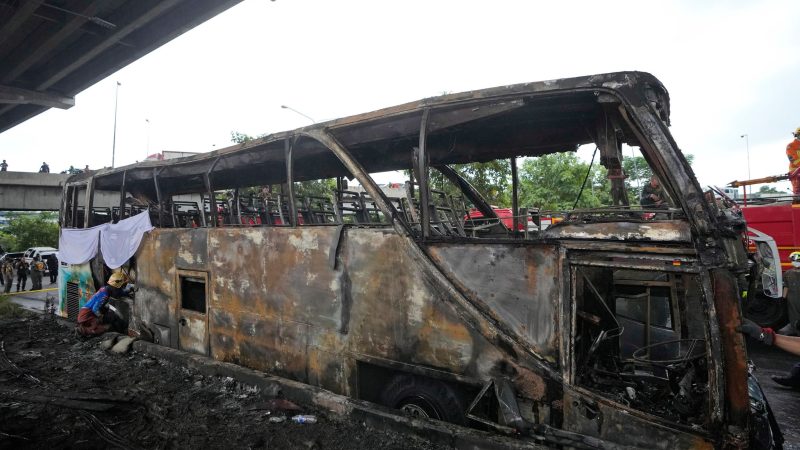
<point>45,168</point>
<point>793,153</point>
<point>22,274</point>
<point>3,166</point>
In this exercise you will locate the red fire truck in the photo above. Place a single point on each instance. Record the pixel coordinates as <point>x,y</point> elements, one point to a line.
<point>777,218</point>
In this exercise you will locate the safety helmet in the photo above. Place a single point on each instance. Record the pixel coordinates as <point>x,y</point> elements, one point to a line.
<point>117,279</point>
<point>794,257</point>
<point>796,133</point>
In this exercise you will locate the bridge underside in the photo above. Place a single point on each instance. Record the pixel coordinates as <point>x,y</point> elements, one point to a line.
<point>50,51</point>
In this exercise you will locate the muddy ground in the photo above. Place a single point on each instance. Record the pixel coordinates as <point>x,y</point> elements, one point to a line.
<point>57,391</point>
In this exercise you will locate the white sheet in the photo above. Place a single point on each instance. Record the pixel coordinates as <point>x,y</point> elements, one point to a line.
<point>119,241</point>
<point>78,245</point>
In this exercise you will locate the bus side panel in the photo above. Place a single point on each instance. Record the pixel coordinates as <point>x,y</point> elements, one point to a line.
<point>519,285</point>
<point>586,415</point>
<point>160,254</point>
<point>275,302</point>
<point>400,314</point>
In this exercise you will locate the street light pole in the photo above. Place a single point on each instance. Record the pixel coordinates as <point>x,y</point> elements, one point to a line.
<point>114,144</point>
<point>747,148</point>
<point>298,112</point>
<point>147,121</point>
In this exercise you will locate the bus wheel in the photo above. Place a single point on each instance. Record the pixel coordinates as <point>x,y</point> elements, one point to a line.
<point>423,398</point>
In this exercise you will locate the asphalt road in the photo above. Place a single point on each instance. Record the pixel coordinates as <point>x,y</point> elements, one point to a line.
<point>785,403</point>
<point>34,300</point>
<point>769,361</point>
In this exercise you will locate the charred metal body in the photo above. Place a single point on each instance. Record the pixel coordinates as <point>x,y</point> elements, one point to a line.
<point>614,327</point>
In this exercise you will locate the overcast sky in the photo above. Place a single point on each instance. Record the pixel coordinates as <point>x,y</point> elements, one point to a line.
<point>731,67</point>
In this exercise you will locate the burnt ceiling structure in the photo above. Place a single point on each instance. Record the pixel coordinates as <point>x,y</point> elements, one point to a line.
<point>50,50</point>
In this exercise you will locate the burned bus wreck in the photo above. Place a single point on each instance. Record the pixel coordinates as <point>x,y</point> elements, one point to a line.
<point>612,326</point>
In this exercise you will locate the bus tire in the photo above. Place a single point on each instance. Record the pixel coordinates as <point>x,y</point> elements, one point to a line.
<point>421,397</point>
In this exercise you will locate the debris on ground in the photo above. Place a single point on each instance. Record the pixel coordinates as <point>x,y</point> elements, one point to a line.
<point>57,391</point>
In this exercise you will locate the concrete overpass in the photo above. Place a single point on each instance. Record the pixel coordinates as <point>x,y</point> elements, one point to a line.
<point>26,191</point>
<point>52,50</point>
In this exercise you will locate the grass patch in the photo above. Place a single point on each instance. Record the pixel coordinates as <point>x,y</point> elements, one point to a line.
<point>9,309</point>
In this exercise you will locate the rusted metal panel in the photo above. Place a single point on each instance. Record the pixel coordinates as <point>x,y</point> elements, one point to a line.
<point>156,276</point>
<point>191,249</point>
<point>726,302</point>
<point>672,231</point>
<point>517,283</point>
<point>275,272</point>
<point>275,303</point>
<point>627,428</point>
<point>193,332</point>
<point>264,343</point>
<point>329,366</point>
<point>399,313</point>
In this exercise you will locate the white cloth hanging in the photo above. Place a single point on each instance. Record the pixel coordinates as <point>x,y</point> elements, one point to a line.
<point>78,245</point>
<point>119,241</point>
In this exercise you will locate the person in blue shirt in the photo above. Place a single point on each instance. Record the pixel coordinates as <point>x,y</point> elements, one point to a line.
<point>91,320</point>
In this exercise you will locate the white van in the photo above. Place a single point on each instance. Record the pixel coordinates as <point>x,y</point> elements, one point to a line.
<point>41,252</point>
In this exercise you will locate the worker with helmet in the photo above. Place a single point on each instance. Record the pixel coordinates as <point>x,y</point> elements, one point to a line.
<point>793,153</point>
<point>94,318</point>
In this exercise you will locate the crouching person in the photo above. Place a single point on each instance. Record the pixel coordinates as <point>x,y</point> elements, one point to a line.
<point>94,318</point>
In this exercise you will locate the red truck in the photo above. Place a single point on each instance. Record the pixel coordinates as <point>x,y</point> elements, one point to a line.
<point>773,225</point>
<point>779,219</point>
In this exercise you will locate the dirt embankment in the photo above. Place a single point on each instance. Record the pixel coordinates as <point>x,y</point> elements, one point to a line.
<point>57,391</point>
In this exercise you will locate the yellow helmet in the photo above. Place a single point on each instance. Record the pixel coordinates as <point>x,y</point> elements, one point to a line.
<point>797,132</point>
<point>117,279</point>
<point>794,256</point>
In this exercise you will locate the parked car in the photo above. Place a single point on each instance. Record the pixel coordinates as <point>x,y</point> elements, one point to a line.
<point>10,256</point>
<point>41,252</point>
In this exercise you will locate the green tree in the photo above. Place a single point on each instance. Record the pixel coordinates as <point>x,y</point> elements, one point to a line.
<point>317,188</point>
<point>492,179</point>
<point>242,138</point>
<point>24,231</point>
<point>8,241</point>
<point>768,189</point>
<point>553,182</point>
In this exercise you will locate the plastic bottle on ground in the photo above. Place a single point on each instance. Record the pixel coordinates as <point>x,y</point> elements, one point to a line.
<point>304,418</point>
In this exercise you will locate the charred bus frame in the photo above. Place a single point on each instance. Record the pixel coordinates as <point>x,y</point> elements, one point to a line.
<point>609,328</point>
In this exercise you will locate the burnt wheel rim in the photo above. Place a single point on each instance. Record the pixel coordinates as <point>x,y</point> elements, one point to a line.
<point>419,407</point>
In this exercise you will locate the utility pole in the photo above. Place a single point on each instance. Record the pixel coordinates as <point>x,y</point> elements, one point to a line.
<point>114,144</point>
<point>147,121</point>
<point>747,148</point>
